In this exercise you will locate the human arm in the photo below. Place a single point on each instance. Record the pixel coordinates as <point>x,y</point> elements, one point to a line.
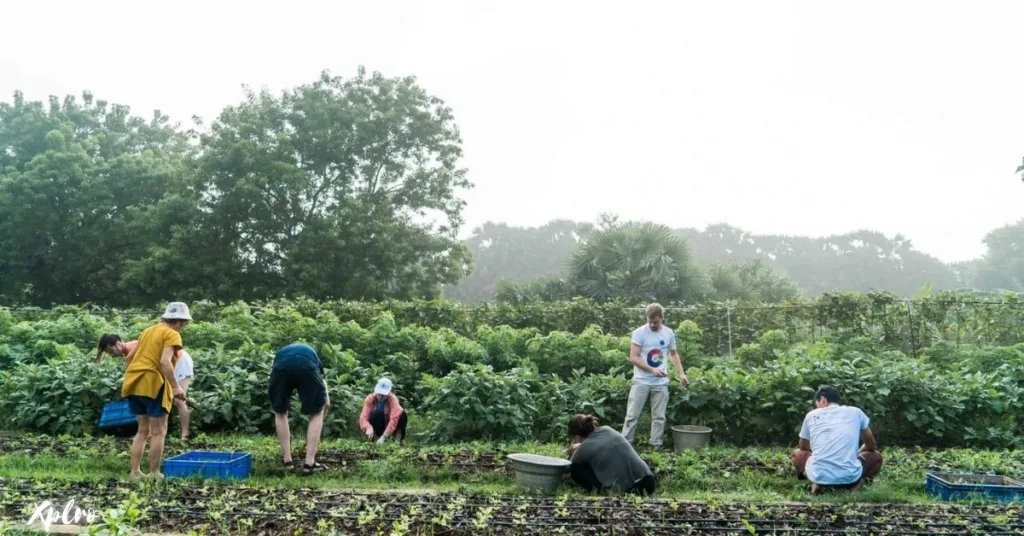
<point>134,345</point>
<point>581,453</point>
<point>637,361</point>
<point>805,436</point>
<point>867,438</point>
<point>327,394</point>
<point>364,418</point>
<point>678,364</point>
<point>167,368</point>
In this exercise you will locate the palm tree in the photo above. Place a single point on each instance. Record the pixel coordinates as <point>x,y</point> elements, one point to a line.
<point>638,262</point>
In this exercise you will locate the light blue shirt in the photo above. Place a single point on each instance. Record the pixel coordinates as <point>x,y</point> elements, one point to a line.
<point>834,433</point>
<point>654,347</point>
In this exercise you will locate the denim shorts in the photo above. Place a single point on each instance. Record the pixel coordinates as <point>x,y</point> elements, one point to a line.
<point>150,407</point>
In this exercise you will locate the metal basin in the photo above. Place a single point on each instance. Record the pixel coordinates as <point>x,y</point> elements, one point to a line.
<point>538,473</point>
<point>689,437</point>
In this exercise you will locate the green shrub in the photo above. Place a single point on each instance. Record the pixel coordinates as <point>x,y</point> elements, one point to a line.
<point>475,402</point>
<point>770,346</point>
<point>62,396</point>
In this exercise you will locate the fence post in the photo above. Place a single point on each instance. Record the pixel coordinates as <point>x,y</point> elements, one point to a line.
<point>728,323</point>
<point>910,322</point>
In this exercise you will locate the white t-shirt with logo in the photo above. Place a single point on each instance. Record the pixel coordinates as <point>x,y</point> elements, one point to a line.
<point>654,347</point>
<point>834,433</point>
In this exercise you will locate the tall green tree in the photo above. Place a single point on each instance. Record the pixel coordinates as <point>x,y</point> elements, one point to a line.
<point>342,188</point>
<point>636,262</point>
<point>1002,266</point>
<point>859,261</point>
<point>753,280</point>
<point>79,183</point>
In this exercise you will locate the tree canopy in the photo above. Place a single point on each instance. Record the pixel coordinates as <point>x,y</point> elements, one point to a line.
<point>341,188</point>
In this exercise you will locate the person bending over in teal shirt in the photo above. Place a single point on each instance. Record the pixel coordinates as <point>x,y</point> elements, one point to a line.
<point>298,368</point>
<point>830,453</point>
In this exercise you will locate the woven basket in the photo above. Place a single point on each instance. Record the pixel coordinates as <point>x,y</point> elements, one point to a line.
<point>538,473</point>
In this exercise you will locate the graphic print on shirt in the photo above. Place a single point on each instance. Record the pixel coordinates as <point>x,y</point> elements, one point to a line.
<point>654,357</point>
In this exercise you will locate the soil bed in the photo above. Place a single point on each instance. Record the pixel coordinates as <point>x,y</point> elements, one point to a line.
<point>215,508</point>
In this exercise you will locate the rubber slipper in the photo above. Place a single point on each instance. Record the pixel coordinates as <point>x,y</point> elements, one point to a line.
<point>315,468</point>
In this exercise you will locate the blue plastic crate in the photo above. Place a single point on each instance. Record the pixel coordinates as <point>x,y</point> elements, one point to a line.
<point>953,486</point>
<point>224,465</point>
<point>116,414</point>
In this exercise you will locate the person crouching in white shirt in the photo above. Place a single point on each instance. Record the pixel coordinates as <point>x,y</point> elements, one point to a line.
<point>837,449</point>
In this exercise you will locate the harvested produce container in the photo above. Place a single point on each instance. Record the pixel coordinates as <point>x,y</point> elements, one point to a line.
<point>224,465</point>
<point>687,437</point>
<point>538,473</point>
<point>953,486</point>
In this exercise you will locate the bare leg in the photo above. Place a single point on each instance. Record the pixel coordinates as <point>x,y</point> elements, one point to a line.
<point>184,414</point>
<point>316,424</point>
<point>284,435</point>
<point>139,445</point>
<point>157,436</point>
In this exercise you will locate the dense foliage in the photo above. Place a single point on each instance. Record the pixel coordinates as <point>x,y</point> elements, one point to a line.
<point>341,188</point>
<point>962,318</point>
<point>860,261</point>
<point>631,261</point>
<point>496,381</point>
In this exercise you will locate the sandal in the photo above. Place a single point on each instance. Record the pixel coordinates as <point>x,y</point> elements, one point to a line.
<point>290,464</point>
<point>315,468</point>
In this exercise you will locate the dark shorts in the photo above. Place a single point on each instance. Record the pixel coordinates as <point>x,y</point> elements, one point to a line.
<point>306,380</point>
<point>150,407</point>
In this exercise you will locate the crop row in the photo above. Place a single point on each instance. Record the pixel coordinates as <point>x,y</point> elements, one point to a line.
<point>219,509</point>
<point>516,384</point>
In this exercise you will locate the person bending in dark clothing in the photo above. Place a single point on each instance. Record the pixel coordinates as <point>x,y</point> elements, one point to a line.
<point>602,459</point>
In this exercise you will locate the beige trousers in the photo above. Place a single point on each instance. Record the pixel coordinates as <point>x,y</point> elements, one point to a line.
<point>638,395</point>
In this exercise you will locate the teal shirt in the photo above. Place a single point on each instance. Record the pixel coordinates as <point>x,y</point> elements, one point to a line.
<point>297,356</point>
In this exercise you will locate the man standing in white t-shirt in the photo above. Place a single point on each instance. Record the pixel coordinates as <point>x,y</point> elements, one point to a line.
<point>829,441</point>
<point>652,346</point>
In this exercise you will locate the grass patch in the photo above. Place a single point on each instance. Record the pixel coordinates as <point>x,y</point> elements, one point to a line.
<point>720,473</point>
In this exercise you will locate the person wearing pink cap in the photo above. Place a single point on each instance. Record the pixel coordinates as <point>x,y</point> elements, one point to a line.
<point>382,416</point>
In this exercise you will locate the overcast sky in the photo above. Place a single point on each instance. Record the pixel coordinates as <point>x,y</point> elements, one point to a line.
<point>806,118</point>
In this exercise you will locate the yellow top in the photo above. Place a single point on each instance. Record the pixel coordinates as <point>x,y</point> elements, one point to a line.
<point>143,376</point>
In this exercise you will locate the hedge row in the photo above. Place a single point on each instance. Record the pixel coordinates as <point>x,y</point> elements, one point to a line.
<point>906,326</point>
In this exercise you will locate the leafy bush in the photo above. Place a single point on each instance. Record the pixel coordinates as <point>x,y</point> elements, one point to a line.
<point>561,353</point>
<point>6,321</point>
<point>768,347</point>
<point>65,395</point>
<point>475,402</point>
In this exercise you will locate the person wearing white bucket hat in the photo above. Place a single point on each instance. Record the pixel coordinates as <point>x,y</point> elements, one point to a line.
<point>184,371</point>
<point>150,385</point>
<point>383,416</point>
